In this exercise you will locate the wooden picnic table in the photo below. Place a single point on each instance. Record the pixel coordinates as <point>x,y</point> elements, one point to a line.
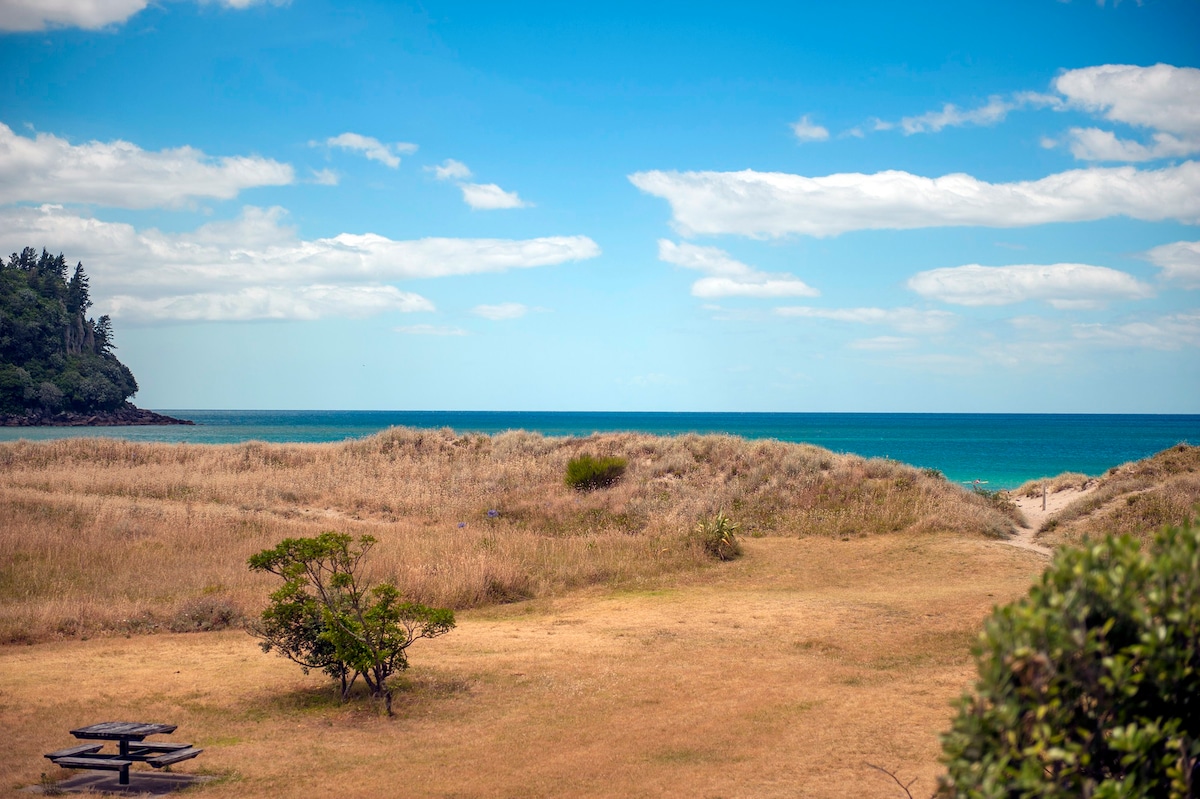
<point>130,737</point>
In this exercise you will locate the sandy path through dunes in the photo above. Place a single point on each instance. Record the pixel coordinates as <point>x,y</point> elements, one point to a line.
<point>1036,516</point>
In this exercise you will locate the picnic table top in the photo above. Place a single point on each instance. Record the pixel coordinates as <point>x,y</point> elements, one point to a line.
<point>122,730</point>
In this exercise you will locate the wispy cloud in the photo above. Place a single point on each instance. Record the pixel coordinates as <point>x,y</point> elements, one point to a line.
<point>268,302</point>
<point>993,112</point>
<point>806,130</point>
<point>762,204</point>
<point>1170,332</point>
<point>36,15</point>
<point>210,272</point>
<point>1061,285</point>
<point>430,330</point>
<point>47,168</point>
<point>450,170</point>
<point>883,343</point>
<point>952,116</point>
<point>324,177</point>
<point>501,312</point>
<point>373,149</point>
<point>906,320</point>
<point>728,277</point>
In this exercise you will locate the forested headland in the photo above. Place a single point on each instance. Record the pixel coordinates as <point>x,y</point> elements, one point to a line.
<point>57,365</point>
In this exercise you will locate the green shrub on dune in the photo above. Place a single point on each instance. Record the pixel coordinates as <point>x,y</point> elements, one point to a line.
<point>1090,686</point>
<point>718,536</point>
<point>586,473</point>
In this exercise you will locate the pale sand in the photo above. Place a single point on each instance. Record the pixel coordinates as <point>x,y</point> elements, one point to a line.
<point>1036,516</point>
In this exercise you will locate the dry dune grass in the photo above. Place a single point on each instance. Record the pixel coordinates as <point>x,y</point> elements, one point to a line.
<point>102,535</point>
<point>778,675</point>
<point>1066,481</point>
<point>1134,499</point>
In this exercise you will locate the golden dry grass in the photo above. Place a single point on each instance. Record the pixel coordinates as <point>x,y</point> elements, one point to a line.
<point>102,535</point>
<point>1066,481</point>
<point>1134,499</point>
<point>778,675</point>
<point>638,667</point>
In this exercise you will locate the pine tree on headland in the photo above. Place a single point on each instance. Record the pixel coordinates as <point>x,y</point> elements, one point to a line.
<point>52,356</point>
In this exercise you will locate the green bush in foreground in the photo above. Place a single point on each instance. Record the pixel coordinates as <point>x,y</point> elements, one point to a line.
<point>1090,686</point>
<point>328,616</point>
<point>586,473</point>
<point>718,535</point>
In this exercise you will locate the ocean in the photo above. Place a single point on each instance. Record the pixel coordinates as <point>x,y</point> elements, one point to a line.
<point>1000,450</point>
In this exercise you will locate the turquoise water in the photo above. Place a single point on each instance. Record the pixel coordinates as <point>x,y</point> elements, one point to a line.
<point>1003,449</point>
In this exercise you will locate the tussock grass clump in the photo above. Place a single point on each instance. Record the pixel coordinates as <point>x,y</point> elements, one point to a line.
<point>1135,499</point>
<point>107,535</point>
<point>586,473</point>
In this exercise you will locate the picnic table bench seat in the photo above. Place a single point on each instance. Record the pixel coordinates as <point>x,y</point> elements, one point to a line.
<point>103,763</point>
<point>84,749</point>
<point>155,746</point>
<point>173,757</point>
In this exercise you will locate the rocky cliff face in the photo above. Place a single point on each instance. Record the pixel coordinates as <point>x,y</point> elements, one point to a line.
<point>127,414</point>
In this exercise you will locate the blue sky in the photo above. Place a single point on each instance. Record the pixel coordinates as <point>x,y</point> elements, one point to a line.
<point>943,207</point>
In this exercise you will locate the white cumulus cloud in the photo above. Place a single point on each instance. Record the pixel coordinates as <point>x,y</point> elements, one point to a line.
<point>47,168</point>
<point>490,197</point>
<point>210,272</point>
<point>906,320</point>
<point>1179,261</point>
<point>36,15</point>
<point>728,277</point>
<point>373,149</point>
<point>1094,144</point>
<point>480,196</point>
<point>1162,98</point>
<point>760,204</point>
<point>809,131</point>
<point>1061,285</point>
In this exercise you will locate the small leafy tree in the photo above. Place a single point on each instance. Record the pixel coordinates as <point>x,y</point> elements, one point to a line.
<point>329,616</point>
<point>1090,686</point>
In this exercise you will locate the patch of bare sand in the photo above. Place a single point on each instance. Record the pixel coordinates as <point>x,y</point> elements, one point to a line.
<point>778,675</point>
<point>1038,510</point>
